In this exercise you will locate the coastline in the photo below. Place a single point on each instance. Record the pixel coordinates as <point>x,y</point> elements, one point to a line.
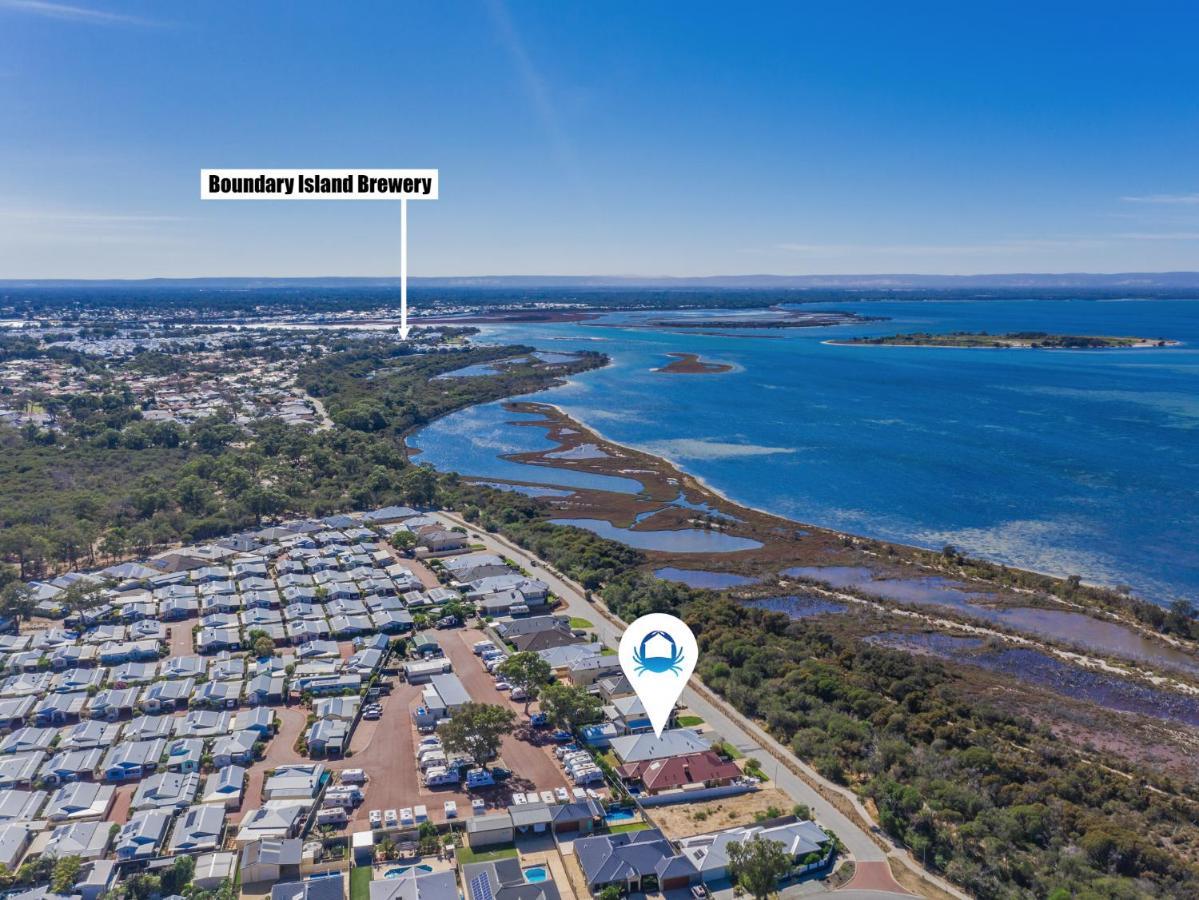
<point>1140,345</point>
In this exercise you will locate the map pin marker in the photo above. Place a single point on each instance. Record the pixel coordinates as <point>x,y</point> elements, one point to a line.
<point>658,654</point>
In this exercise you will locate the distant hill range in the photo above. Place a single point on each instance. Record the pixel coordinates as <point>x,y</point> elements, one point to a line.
<point>1082,280</point>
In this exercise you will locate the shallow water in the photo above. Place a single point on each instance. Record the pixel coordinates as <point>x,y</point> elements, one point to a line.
<point>526,489</point>
<point>1062,625</point>
<point>798,606</point>
<point>684,540</point>
<point>1110,691</point>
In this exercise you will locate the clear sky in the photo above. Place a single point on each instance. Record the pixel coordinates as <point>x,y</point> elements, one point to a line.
<point>604,138</point>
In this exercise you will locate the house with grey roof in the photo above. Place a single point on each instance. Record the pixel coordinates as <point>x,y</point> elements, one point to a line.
<point>166,790</point>
<point>27,739</point>
<point>633,861</point>
<point>79,800</point>
<point>174,667</point>
<point>146,728</point>
<point>631,748</point>
<point>143,835</point>
<point>14,839</point>
<point>113,703</point>
<point>237,747</point>
<point>130,760</point>
<point>265,688</point>
<point>204,723</point>
<point>270,859</point>
<point>21,805</point>
<point>198,829</point>
<point>225,786</point>
<point>89,733</point>
<point>218,694</point>
<point>72,765</point>
<point>213,640</point>
<point>501,879</point>
<point>128,674</point>
<point>77,679</point>
<point>489,830</point>
<point>327,886</point>
<point>59,709</point>
<point>20,768</point>
<point>167,696</point>
<point>185,755</point>
<point>87,840</point>
<point>14,710</point>
<point>258,719</point>
<point>212,869</point>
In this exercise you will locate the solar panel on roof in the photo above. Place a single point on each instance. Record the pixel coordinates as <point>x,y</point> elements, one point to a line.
<point>480,887</point>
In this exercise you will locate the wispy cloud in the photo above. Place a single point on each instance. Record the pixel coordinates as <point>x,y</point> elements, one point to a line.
<point>68,13</point>
<point>1166,199</point>
<point>82,218</point>
<point>1159,236</point>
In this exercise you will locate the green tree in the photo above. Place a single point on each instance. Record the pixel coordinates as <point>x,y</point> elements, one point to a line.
<point>757,865</point>
<point>261,643</point>
<point>418,486</point>
<point>403,540</point>
<point>65,874</point>
<point>17,600</point>
<point>527,671</point>
<point>476,729</point>
<point>569,707</point>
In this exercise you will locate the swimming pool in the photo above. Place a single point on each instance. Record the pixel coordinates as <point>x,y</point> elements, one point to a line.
<point>396,873</point>
<point>618,815</point>
<point>536,874</point>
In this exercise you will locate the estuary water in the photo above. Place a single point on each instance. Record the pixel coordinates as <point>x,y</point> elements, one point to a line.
<point>1068,462</point>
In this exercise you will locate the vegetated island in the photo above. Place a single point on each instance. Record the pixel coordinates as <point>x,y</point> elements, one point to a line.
<point>691,364</point>
<point>1021,340</point>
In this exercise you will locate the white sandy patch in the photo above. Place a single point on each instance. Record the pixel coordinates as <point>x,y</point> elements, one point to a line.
<point>697,448</point>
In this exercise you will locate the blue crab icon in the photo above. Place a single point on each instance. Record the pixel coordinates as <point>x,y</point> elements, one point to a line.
<point>658,663</point>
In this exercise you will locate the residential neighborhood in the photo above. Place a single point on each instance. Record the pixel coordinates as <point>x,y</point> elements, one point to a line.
<point>298,709</point>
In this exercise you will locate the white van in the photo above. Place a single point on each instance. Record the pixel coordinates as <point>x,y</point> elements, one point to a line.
<point>482,647</point>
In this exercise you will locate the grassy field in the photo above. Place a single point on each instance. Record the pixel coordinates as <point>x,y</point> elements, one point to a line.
<point>580,622</point>
<point>631,826</point>
<point>360,883</point>
<point>689,721</point>
<point>466,855</point>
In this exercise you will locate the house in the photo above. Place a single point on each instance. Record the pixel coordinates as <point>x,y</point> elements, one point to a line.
<point>392,621</point>
<point>259,719</point>
<point>708,853</point>
<point>130,760</point>
<point>633,861</point>
<point>237,747</point>
<point>441,698</point>
<point>87,840</point>
<point>14,710</point>
<point>415,884</point>
<point>72,765</point>
<point>270,860</point>
<point>113,703</point>
<point>21,805</point>
<point>96,879</point>
<point>143,835</point>
<point>166,790</point>
<point>218,695</point>
<point>265,689</point>
<point>327,886</point>
<point>328,737</point>
<point>185,755</point>
<point>612,688</point>
<point>543,640</point>
<point>576,817</point>
<point>364,662</point>
<point>212,869</point>
<point>79,800</point>
<point>472,566</point>
<point>77,679</point>
<point>388,514</point>
<point>167,696</point>
<point>200,828</point>
<point>225,786</point>
<point>424,644</point>
<point>420,672</point>
<point>695,770</point>
<point>20,768</point>
<point>441,540</point>
<point>531,818</point>
<point>629,716</point>
<point>88,734</point>
<point>214,640</point>
<point>174,667</point>
<point>345,708</point>
<point>489,830</point>
<point>583,664</point>
<point>58,709</point>
<point>146,728</point>
<point>318,685</point>
<point>501,879</point>
<point>298,781</point>
<point>25,740</point>
<point>318,650</point>
<point>227,668</point>
<point>633,748</point>
<point>14,838</point>
<point>204,723</point>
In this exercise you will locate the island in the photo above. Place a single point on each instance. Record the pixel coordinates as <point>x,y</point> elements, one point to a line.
<point>691,364</point>
<point>1021,340</point>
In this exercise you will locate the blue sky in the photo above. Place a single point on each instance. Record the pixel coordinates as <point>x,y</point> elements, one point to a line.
<point>604,138</point>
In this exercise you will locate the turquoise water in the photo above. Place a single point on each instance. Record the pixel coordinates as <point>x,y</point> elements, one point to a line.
<point>1067,462</point>
<point>617,816</point>
<point>397,872</point>
<point>536,874</point>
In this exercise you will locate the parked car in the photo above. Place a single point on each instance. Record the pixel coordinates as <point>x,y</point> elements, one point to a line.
<point>390,818</point>
<point>376,818</point>
<point>519,693</point>
<point>482,647</point>
<point>448,622</point>
<point>502,686</point>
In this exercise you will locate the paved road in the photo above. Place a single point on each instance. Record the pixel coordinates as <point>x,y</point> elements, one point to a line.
<point>744,735</point>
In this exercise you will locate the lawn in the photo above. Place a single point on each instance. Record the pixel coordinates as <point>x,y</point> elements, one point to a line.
<point>728,750</point>
<point>360,883</point>
<point>630,826</point>
<point>690,721</point>
<point>579,622</point>
<point>466,855</point>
